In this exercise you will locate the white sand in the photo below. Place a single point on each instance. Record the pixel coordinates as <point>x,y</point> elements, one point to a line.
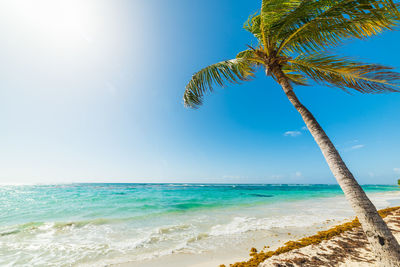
<point>349,249</point>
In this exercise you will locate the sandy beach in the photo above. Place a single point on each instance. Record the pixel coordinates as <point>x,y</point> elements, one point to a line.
<point>350,248</point>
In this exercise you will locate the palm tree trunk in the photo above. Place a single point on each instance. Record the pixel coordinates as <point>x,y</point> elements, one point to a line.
<point>384,244</point>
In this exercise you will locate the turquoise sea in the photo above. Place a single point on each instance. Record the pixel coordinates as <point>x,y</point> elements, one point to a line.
<point>100,224</point>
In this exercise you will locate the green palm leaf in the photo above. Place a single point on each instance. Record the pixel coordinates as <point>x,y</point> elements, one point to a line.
<point>230,71</point>
<point>273,11</point>
<point>253,25</point>
<point>347,74</point>
<point>293,76</point>
<point>309,25</point>
<point>316,24</point>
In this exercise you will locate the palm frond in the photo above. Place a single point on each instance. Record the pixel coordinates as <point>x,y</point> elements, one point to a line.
<point>253,25</point>
<point>347,74</point>
<point>294,77</point>
<point>253,55</point>
<point>317,24</point>
<point>249,53</point>
<point>230,71</point>
<point>273,11</point>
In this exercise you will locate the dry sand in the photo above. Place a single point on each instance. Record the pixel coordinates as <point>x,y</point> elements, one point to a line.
<point>348,249</point>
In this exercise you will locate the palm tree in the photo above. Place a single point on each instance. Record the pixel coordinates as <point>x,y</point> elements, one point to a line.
<point>293,37</point>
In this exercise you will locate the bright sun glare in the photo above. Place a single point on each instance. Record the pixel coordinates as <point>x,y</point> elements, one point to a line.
<point>62,22</point>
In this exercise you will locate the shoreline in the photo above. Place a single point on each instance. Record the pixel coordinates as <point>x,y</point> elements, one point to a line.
<point>275,238</point>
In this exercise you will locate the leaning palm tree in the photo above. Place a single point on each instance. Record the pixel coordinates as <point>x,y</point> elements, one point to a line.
<point>293,38</point>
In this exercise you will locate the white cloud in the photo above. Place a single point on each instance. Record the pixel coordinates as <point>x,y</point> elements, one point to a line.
<point>292,133</point>
<point>355,147</point>
<point>304,128</point>
<point>298,174</point>
<point>396,170</point>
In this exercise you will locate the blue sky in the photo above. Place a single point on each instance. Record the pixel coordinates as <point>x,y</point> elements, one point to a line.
<point>91,91</point>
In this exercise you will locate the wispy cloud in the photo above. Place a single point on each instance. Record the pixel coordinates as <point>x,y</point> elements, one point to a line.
<point>355,147</point>
<point>396,170</point>
<point>298,174</point>
<point>296,133</point>
<point>292,133</point>
<point>351,145</point>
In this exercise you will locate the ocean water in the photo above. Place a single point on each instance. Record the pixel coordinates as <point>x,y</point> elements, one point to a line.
<point>101,224</point>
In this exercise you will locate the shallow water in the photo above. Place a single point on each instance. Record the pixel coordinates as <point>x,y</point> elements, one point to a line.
<point>97,224</point>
